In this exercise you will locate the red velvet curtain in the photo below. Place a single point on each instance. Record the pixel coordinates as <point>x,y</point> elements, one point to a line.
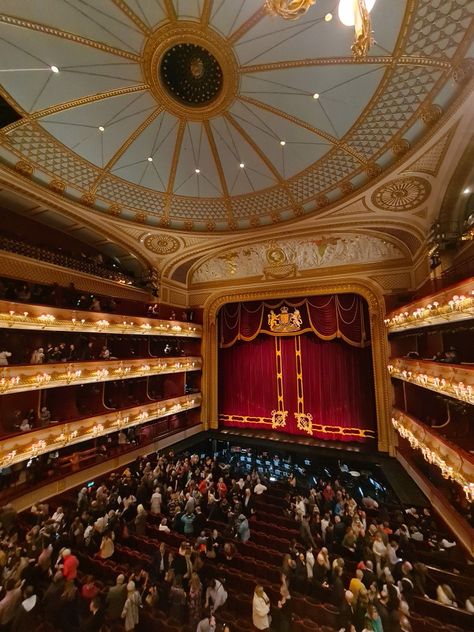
<point>341,316</point>
<point>333,379</point>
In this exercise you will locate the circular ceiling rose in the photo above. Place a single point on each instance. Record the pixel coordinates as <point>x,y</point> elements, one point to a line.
<point>161,244</point>
<point>191,73</point>
<point>403,194</point>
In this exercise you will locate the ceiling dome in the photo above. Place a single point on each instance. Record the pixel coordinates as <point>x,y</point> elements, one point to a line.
<point>214,115</point>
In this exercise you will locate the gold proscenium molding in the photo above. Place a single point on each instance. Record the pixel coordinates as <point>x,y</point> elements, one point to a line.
<point>369,291</point>
<point>199,34</point>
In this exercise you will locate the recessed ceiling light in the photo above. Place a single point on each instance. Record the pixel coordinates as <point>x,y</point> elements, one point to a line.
<point>316,95</point>
<point>150,159</point>
<point>328,17</point>
<point>242,165</point>
<point>283,143</point>
<point>467,191</point>
<point>101,128</point>
<point>197,170</point>
<point>54,69</point>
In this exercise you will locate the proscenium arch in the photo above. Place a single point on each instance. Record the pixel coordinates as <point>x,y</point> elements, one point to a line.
<point>379,341</point>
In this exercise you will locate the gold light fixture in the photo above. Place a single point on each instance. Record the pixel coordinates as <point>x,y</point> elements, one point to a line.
<point>289,9</point>
<point>354,13</point>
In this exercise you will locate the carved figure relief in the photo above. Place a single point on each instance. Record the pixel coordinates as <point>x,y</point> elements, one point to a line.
<point>296,255</point>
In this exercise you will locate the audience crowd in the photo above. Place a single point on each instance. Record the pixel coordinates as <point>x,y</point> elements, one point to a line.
<point>356,555</point>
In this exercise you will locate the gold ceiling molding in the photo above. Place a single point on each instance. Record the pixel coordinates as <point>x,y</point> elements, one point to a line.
<point>403,194</point>
<point>123,6</point>
<point>73,37</point>
<point>382,60</point>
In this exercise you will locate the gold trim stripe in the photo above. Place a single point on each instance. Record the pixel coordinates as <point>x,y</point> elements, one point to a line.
<point>386,60</point>
<point>299,376</point>
<point>279,374</point>
<point>73,37</point>
<point>364,433</point>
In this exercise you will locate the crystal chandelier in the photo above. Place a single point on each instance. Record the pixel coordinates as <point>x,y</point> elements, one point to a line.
<point>354,13</point>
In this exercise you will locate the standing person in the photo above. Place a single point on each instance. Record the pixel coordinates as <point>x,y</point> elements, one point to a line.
<point>131,609</point>
<point>260,609</point>
<point>284,611</point>
<point>115,599</point>
<point>195,599</point>
<point>216,595</point>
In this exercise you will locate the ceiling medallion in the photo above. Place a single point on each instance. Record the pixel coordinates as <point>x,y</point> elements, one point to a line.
<point>403,194</point>
<point>191,73</point>
<point>191,70</point>
<point>161,244</point>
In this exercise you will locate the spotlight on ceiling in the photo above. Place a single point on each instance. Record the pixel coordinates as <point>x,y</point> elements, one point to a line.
<point>54,69</point>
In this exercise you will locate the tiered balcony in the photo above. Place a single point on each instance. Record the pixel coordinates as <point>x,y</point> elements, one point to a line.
<point>20,448</point>
<point>15,379</point>
<point>452,304</point>
<point>38,317</point>
<point>453,380</point>
<point>455,463</point>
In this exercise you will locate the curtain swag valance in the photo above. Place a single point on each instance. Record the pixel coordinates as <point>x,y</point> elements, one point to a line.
<point>341,316</point>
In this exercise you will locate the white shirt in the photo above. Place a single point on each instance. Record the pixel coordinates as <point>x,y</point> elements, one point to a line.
<point>259,489</point>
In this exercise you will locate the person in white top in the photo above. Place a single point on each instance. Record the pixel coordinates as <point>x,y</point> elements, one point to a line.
<point>259,488</point>
<point>216,595</point>
<point>309,562</point>
<point>260,609</point>
<point>156,499</point>
<point>163,526</point>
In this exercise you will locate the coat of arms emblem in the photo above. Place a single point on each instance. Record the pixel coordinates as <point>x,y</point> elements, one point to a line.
<point>285,321</point>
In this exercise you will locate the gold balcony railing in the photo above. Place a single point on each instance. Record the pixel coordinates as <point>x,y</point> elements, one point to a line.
<point>56,436</point>
<point>455,463</point>
<point>15,379</point>
<point>454,380</point>
<point>453,304</point>
<point>23,316</point>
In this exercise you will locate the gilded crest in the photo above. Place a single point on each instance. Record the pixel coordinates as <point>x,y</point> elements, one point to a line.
<point>285,321</point>
<point>279,418</point>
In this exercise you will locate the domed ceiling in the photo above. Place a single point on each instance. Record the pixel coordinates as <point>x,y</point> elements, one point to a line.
<point>215,115</point>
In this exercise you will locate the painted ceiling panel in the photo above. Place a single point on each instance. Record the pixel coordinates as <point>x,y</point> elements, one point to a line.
<point>150,12</point>
<point>234,151</point>
<point>196,154</point>
<point>120,116</point>
<point>343,93</point>
<point>99,21</point>
<point>227,16</point>
<point>157,141</point>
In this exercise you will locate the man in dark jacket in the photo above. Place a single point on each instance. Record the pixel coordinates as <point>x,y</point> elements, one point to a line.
<point>115,600</point>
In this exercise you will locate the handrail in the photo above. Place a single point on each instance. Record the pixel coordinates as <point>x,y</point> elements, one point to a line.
<point>18,448</point>
<point>20,378</point>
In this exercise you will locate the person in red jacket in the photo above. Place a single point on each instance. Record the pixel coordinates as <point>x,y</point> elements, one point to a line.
<point>70,564</point>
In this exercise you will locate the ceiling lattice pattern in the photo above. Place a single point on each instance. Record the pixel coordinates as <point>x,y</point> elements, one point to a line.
<point>289,121</point>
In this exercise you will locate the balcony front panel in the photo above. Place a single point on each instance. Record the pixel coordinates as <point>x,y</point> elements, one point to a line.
<point>453,380</point>
<point>56,436</point>
<point>453,304</point>
<point>25,316</point>
<point>15,379</point>
<point>455,463</point>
